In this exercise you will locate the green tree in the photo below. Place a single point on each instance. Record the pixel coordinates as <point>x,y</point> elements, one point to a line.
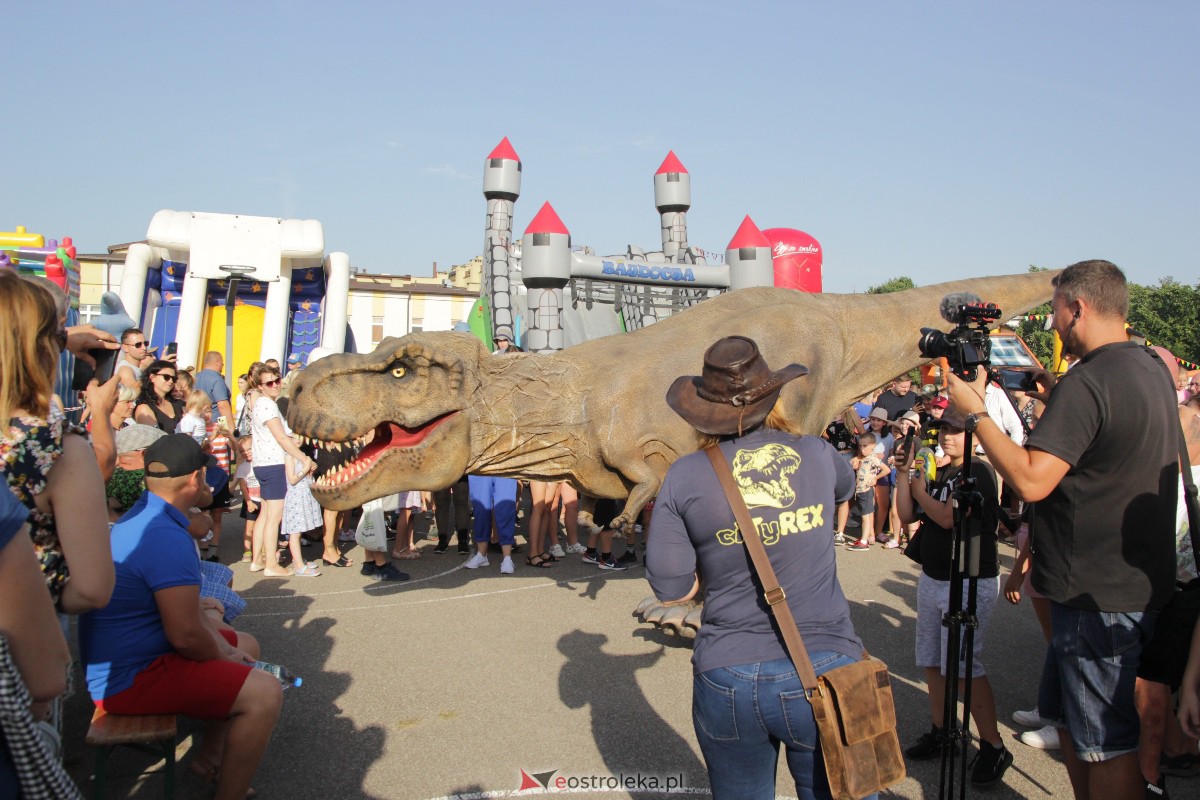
<point>1035,332</point>
<point>1168,315</point>
<point>894,285</point>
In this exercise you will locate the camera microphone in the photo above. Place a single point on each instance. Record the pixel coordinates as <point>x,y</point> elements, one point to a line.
<point>951,303</point>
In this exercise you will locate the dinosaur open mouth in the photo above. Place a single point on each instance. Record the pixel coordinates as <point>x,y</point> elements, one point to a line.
<point>362,453</point>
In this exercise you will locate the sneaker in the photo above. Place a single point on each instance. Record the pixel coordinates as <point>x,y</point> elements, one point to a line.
<point>1030,718</point>
<point>441,548</point>
<point>1155,791</point>
<point>929,745</point>
<point>591,558</point>
<point>610,563</point>
<point>463,548</point>
<point>557,551</point>
<point>990,764</point>
<point>346,536</point>
<point>1185,765</point>
<point>884,538</point>
<point>506,566</point>
<point>577,548</point>
<point>388,572</point>
<point>858,546</point>
<point>891,545</point>
<point>1044,738</point>
<point>368,568</point>
<point>476,561</point>
<point>628,557</point>
<point>839,538</point>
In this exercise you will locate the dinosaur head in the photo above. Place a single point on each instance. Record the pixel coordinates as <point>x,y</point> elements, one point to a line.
<point>398,416</point>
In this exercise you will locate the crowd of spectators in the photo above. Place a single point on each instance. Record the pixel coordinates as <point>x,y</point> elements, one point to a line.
<point>172,450</point>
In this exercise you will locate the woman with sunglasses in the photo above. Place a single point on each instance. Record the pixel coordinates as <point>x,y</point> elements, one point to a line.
<point>157,405</point>
<point>47,466</point>
<point>272,443</point>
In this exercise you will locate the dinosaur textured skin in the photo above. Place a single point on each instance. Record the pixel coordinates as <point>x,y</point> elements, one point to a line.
<point>423,409</point>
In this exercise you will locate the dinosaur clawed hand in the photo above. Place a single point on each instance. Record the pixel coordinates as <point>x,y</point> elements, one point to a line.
<point>678,620</point>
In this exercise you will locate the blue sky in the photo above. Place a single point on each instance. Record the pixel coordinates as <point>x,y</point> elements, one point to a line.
<point>934,140</point>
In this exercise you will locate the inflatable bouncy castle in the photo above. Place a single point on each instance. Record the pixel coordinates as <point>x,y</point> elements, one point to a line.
<point>285,294</point>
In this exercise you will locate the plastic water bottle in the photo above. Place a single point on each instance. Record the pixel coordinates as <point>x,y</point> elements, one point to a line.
<point>286,678</point>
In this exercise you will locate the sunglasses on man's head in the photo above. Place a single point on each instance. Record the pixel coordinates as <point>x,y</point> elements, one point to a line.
<point>270,384</point>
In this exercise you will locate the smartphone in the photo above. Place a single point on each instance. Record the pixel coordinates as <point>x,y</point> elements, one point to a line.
<point>172,347</point>
<point>1018,380</point>
<point>106,362</point>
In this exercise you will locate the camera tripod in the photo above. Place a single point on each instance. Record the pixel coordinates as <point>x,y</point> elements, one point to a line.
<point>962,621</point>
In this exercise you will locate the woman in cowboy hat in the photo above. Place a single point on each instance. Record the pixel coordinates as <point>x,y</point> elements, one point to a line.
<point>746,696</point>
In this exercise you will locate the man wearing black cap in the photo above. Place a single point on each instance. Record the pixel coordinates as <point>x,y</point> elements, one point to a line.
<point>152,650</point>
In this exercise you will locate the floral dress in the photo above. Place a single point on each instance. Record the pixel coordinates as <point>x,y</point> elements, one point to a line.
<point>28,451</point>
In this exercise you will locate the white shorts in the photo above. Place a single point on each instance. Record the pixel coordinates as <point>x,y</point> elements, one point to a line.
<point>933,600</point>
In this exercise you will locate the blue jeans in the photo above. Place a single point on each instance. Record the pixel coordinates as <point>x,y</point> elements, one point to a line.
<point>742,714</point>
<point>1087,681</point>
<point>494,495</point>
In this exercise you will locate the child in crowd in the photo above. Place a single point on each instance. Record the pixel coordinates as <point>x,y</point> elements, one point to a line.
<point>251,498</point>
<point>406,525</point>
<point>301,512</point>
<point>868,467</point>
<point>195,422</point>
<point>602,516</point>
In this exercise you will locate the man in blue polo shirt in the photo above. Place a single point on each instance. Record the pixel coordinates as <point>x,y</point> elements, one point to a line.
<point>210,381</point>
<point>152,650</point>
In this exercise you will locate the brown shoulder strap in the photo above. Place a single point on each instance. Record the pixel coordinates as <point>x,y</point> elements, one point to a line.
<point>772,592</point>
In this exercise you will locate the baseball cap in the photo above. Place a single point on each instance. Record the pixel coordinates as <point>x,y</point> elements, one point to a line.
<point>500,336</point>
<point>939,402</point>
<point>132,438</point>
<point>878,413</point>
<point>174,456</point>
<point>294,358</point>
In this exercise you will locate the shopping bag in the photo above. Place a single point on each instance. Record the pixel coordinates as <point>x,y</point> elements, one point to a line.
<point>372,527</point>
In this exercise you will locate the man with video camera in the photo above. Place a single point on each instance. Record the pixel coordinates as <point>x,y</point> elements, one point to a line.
<point>1102,465</point>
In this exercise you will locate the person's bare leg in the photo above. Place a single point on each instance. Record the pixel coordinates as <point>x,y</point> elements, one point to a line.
<point>251,722</point>
<point>1153,702</point>
<point>983,711</point>
<point>843,516</point>
<point>570,512</point>
<point>883,504</point>
<point>271,516</point>
<point>937,695</point>
<point>537,491</point>
<point>866,527</point>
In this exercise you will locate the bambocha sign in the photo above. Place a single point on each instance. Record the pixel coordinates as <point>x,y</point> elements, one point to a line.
<point>689,275</point>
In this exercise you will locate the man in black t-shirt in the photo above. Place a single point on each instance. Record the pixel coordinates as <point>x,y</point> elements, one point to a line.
<point>1102,465</point>
<point>898,398</point>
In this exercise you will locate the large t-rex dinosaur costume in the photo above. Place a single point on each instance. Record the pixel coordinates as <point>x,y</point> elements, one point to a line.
<point>423,409</point>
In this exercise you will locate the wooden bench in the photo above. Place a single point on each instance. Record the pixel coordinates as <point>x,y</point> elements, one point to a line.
<point>150,734</point>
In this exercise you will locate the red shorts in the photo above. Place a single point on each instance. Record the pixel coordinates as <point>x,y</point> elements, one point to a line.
<point>211,687</point>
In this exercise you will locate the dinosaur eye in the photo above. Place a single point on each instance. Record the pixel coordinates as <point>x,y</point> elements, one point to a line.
<point>398,372</point>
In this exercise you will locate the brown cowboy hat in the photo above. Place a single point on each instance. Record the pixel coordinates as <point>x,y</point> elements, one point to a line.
<point>734,392</point>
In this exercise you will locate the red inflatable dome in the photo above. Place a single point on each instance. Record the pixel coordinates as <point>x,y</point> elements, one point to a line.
<point>797,259</point>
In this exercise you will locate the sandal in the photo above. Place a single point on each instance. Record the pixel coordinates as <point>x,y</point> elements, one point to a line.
<point>341,561</point>
<point>538,561</point>
<point>307,571</point>
<point>411,554</point>
<point>247,557</point>
<point>287,573</point>
<point>547,557</point>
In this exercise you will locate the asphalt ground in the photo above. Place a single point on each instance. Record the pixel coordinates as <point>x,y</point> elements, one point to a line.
<point>470,684</point>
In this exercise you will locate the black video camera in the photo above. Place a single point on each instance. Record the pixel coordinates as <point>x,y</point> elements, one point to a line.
<point>967,346</point>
